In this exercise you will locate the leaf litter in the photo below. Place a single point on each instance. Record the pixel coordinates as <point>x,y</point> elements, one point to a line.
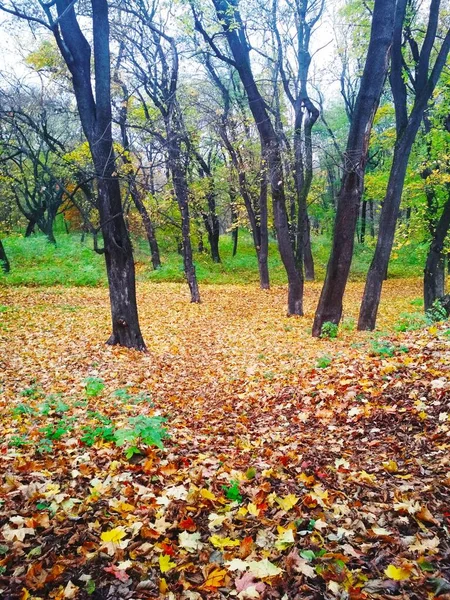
<point>225,462</point>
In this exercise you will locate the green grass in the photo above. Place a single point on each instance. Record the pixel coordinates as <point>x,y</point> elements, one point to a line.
<point>35,262</point>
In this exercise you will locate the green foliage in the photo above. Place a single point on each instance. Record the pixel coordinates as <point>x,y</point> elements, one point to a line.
<point>143,430</point>
<point>17,441</point>
<point>56,430</point>
<point>437,312</point>
<point>329,330</point>
<point>411,321</point>
<point>232,491</point>
<point>93,386</point>
<point>323,362</point>
<point>348,324</point>
<point>385,348</point>
<point>101,432</point>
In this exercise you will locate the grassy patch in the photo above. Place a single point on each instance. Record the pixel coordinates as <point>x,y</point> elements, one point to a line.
<point>35,262</point>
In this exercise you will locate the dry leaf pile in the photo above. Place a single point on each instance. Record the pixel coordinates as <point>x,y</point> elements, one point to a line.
<point>289,467</point>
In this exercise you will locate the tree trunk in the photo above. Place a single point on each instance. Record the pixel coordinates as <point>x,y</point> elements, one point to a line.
<point>149,229</point>
<point>263,253</point>
<point>434,272</point>
<point>96,118</point>
<point>4,259</point>
<point>372,219</point>
<point>182,195</point>
<point>362,237</point>
<point>330,303</point>
<point>307,253</point>
<point>407,128</point>
<point>30,228</point>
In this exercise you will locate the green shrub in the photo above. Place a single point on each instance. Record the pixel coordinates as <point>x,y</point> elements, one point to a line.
<point>329,330</point>
<point>323,362</point>
<point>437,312</point>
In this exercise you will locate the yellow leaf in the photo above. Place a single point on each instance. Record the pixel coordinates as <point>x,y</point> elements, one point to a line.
<point>163,587</point>
<point>396,573</point>
<point>215,579</point>
<point>207,495</point>
<point>219,542</point>
<point>253,509</point>
<point>165,564</point>
<point>287,502</point>
<point>390,466</point>
<point>114,535</point>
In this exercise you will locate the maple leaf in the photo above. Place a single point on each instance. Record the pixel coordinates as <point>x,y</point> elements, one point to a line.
<point>397,573</point>
<point>11,534</point>
<point>287,502</point>
<point>190,541</point>
<point>165,564</point>
<point>263,568</point>
<point>246,583</point>
<point>215,579</point>
<point>219,542</point>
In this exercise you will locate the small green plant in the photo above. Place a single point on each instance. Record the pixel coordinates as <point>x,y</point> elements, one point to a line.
<point>44,446</point>
<point>348,324</point>
<point>323,362</point>
<point>18,441</point>
<point>329,330</point>
<point>410,322</point>
<point>22,409</point>
<point>57,430</point>
<point>437,312</point>
<point>144,430</point>
<point>417,302</point>
<point>93,386</point>
<point>383,348</point>
<point>232,491</point>
<point>32,392</point>
<point>93,434</point>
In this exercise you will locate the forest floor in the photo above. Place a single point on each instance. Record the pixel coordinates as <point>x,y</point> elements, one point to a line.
<point>292,467</point>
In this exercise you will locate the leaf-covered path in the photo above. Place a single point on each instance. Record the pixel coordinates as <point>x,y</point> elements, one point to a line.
<point>295,468</point>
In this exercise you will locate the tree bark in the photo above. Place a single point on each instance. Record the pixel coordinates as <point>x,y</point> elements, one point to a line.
<point>182,195</point>
<point>362,237</point>
<point>30,228</point>
<point>4,259</point>
<point>330,303</point>
<point>434,272</point>
<point>96,117</point>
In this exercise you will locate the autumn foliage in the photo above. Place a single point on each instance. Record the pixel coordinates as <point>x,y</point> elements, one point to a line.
<point>280,467</point>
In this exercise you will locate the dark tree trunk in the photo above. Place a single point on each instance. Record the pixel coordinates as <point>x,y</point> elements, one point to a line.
<point>30,228</point>
<point>372,219</point>
<point>407,128</point>
<point>182,195</point>
<point>434,272</point>
<point>96,118</point>
<point>234,221</point>
<point>362,236</point>
<point>330,303</point>
<point>210,218</point>
<point>235,238</point>
<point>270,148</point>
<point>263,253</point>
<point>4,259</point>
<point>307,253</point>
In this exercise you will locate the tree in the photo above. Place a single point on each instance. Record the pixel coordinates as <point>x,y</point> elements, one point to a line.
<point>255,202</point>
<point>229,17</point>
<point>329,308</point>
<point>305,15</point>
<point>94,106</point>
<point>154,62</point>
<point>423,78</point>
